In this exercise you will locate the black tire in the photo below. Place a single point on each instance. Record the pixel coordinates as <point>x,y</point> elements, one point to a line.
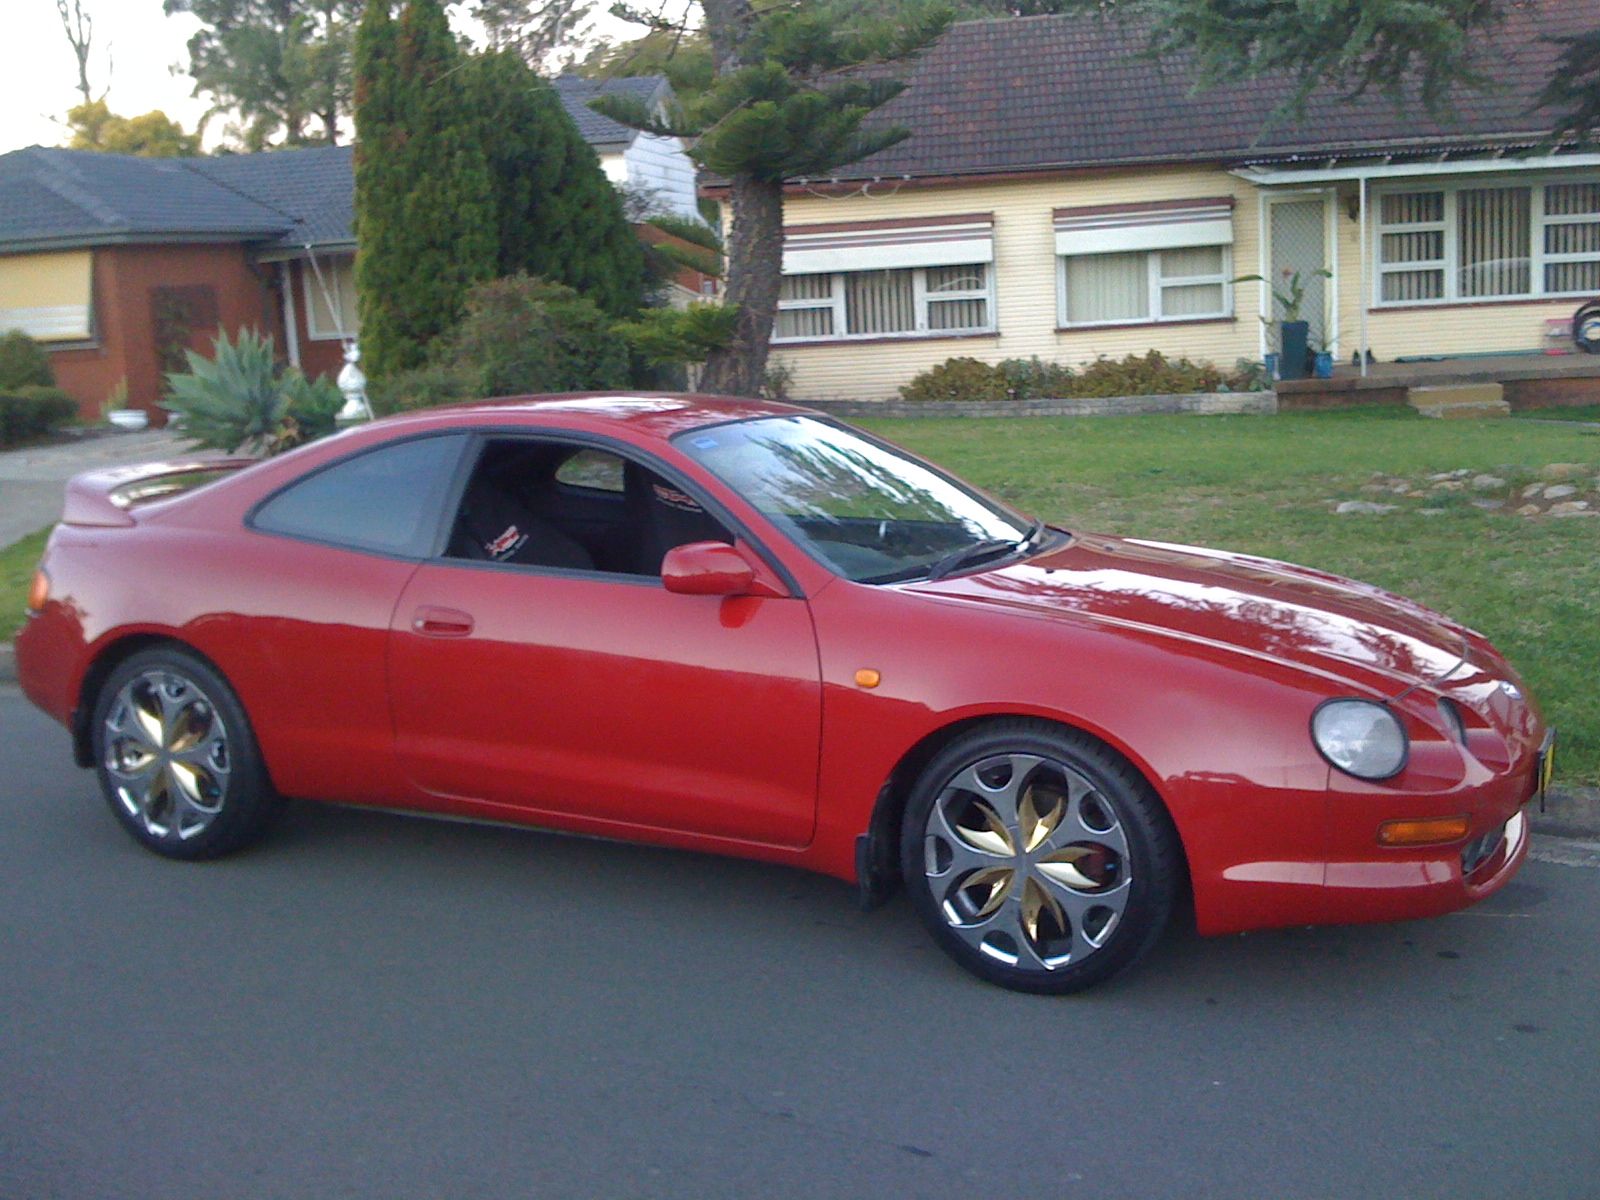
<point>1586,327</point>
<point>176,757</point>
<point>1124,850</point>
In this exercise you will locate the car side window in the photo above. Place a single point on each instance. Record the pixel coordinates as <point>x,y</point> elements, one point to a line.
<point>550,504</point>
<point>385,500</point>
<point>599,470</point>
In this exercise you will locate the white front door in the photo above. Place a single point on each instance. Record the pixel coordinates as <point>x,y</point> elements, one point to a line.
<point>1299,244</point>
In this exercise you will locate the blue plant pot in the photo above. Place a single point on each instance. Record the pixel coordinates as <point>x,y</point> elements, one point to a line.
<point>1271,361</point>
<point>1323,366</point>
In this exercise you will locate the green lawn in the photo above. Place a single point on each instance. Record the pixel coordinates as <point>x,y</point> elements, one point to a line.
<point>17,562</point>
<point>1263,485</point>
<point>1585,412</point>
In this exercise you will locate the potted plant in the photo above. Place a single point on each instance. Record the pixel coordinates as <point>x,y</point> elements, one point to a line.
<point>1294,333</point>
<point>117,410</point>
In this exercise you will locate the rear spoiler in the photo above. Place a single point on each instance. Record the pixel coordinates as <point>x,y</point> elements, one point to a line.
<point>104,497</point>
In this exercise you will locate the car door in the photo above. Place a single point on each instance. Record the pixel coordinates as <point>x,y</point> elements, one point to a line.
<point>597,694</point>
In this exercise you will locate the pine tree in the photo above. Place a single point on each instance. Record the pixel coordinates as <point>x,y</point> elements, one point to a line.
<point>783,103</point>
<point>558,216</point>
<point>425,207</point>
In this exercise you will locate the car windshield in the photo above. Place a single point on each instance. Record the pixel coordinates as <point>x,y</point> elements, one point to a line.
<point>865,510</point>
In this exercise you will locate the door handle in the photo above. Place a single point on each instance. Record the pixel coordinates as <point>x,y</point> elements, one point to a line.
<point>441,622</point>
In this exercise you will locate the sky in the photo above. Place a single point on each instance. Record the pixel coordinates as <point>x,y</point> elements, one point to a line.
<point>136,50</point>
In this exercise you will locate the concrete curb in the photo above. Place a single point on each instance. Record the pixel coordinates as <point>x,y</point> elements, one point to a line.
<point>1568,812</point>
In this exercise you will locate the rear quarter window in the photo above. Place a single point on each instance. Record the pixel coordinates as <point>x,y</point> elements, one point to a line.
<point>386,500</point>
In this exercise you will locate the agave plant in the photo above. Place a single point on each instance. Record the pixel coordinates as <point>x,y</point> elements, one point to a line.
<point>239,399</point>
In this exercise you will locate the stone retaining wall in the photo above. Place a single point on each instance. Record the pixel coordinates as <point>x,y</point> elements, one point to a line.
<point>1204,403</point>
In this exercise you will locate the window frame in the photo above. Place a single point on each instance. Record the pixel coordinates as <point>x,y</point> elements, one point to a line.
<point>1451,188</point>
<point>922,297</point>
<point>427,544</point>
<point>1155,284</point>
<point>309,292</point>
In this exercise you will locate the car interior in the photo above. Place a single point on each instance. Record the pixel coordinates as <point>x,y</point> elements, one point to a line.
<point>554,504</point>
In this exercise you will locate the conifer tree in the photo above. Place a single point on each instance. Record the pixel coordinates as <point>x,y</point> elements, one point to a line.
<point>558,217</point>
<point>783,103</point>
<point>425,208</point>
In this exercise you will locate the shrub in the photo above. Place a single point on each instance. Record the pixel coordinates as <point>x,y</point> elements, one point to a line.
<point>425,387</point>
<point>1035,379</point>
<point>241,399</point>
<point>1151,374</point>
<point>23,363</point>
<point>681,335</point>
<point>32,411</point>
<point>957,379</point>
<point>523,334</point>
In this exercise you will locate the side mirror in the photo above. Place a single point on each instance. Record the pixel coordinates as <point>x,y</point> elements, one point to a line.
<point>711,569</point>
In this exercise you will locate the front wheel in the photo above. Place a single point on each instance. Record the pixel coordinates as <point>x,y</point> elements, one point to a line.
<point>1039,859</point>
<point>176,757</point>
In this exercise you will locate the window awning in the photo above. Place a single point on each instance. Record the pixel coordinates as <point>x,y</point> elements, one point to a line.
<point>1163,225</point>
<point>47,296</point>
<point>885,245</point>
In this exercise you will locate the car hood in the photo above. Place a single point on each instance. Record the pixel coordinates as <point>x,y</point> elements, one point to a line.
<point>1257,606</point>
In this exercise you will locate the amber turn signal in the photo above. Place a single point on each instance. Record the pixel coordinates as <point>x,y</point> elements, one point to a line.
<point>1424,831</point>
<point>868,678</point>
<point>39,592</point>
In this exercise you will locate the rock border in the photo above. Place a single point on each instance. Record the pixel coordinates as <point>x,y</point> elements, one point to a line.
<point>1198,403</point>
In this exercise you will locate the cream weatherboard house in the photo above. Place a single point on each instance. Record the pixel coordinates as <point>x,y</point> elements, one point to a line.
<point>1064,197</point>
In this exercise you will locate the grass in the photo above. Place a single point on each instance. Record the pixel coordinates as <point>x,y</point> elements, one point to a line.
<point>17,562</point>
<point>1583,412</point>
<point>1263,485</point>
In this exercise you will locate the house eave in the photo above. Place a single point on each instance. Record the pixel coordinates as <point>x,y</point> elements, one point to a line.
<point>90,241</point>
<point>279,253</point>
<point>1235,160</point>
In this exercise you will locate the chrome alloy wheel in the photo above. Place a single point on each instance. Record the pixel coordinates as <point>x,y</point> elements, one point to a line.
<point>1027,861</point>
<point>166,755</point>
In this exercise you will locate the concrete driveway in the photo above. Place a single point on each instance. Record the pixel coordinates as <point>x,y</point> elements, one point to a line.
<point>31,479</point>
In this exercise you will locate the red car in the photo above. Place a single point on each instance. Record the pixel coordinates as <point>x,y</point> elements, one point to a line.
<point>748,629</point>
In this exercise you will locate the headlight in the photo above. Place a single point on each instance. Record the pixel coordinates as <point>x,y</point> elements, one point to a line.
<point>1360,738</point>
<point>1452,718</point>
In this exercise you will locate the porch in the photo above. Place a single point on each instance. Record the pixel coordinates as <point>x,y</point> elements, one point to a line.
<point>1536,379</point>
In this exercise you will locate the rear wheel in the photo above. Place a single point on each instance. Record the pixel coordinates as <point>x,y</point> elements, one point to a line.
<point>1038,858</point>
<point>176,758</point>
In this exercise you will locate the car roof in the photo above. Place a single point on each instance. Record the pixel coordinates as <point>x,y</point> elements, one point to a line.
<point>658,415</point>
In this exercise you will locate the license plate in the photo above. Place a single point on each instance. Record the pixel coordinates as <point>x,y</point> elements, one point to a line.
<point>1547,765</point>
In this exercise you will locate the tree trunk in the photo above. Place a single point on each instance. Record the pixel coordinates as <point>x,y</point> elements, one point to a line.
<point>755,269</point>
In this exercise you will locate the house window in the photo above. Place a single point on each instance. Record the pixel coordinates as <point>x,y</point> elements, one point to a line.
<point>330,291</point>
<point>905,301</point>
<point>48,296</point>
<point>1471,242</point>
<point>1163,260</point>
<point>1185,284</point>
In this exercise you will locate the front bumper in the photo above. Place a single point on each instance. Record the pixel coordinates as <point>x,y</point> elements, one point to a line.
<point>1426,881</point>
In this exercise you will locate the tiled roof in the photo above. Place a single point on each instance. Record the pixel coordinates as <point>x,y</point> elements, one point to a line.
<point>315,186</point>
<point>1036,93</point>
<point>576,92</point>
<point>53,197</point>
<point>64,197</point>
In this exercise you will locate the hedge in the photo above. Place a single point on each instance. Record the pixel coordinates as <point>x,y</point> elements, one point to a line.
<point>27,413</point>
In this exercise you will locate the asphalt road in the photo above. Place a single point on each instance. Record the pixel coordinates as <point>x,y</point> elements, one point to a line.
<point>379,1006</point>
